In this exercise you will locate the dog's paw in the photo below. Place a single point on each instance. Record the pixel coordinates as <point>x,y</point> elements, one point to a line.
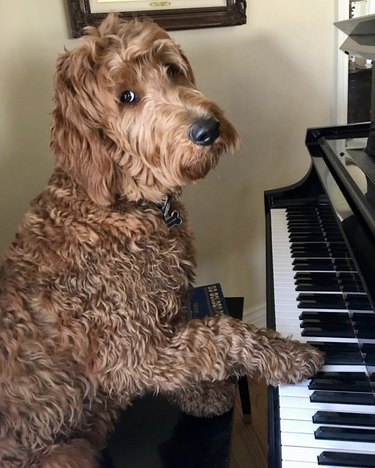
<point>295,362</point>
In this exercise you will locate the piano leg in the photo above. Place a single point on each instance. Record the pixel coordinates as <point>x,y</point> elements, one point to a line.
<point>243,387</point>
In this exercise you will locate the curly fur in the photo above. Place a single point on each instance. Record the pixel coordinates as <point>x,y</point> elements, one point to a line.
<point>94,288</point>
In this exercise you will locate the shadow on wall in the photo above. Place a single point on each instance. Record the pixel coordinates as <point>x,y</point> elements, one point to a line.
<point>271,101</point>
<point>25,160</point>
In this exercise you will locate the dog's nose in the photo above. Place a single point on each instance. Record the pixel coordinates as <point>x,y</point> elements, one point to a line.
<point>204,132</point>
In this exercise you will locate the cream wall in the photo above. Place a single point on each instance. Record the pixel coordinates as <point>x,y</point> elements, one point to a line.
<point>274,78</point>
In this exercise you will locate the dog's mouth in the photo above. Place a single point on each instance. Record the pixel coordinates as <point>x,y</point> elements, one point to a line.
<point>211,138</point>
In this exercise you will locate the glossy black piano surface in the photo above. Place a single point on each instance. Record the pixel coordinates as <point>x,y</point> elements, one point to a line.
<point>321,289</point>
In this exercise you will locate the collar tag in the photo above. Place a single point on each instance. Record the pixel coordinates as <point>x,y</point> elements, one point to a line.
<point>170,218</point>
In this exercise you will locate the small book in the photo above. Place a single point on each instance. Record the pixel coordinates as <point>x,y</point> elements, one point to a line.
<point>207,300</point>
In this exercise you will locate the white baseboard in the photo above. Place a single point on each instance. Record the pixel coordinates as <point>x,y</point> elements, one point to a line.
<point>256,315</point>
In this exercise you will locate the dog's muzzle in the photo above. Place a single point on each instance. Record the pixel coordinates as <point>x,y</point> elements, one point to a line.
<point>204,132</point>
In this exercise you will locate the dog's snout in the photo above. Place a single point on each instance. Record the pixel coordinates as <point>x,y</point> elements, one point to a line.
<point>204,132</point>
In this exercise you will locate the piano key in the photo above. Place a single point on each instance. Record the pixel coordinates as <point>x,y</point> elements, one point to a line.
<point>324,316</point>
<point>340,353</point>
<point>309,427</point>
<point>323,264</point>
<point>361,460</point>
<point>327,281</point>
<point>327,332</point>
<point>351,434</point>
<point>309,441</point>
<point>338,382</point>
<point>345,398</point>
<point>342,418</point>
<point>293,330</point>
<point>292,407</point>
<point>370,359</point>
<point>302,464</point>
<point>316,264</point>
<point>358,301</point>
<point>337,347</point>
<point>324,301</point>
<point>311,454</point>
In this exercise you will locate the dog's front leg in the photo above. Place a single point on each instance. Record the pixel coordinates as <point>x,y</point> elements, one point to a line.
<point>217,348</point>
<point>205,399</point>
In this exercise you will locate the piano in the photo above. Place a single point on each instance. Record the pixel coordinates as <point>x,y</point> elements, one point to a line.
<point>320,254</point>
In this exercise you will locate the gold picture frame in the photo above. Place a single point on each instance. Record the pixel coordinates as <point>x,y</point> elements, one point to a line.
<point>209,13</point>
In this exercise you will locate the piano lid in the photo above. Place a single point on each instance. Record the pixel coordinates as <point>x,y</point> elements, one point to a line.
<point>361,36</point>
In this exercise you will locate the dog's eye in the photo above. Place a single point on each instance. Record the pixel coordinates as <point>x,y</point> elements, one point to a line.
<point>128,97</point>
<point>174,70</point>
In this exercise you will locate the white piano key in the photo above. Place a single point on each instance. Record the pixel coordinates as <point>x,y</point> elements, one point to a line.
<point>308,427</point>
<point>298,464</point>
<point>308,440</point>
<point>306,454</point>
<point>302,464</point>
<point>292,407</point>
<point>306,414</point>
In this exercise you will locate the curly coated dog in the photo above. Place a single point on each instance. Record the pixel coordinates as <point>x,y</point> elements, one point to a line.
<point>94,288</point>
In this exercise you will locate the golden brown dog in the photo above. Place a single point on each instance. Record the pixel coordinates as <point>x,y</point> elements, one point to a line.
<point>94,288</point>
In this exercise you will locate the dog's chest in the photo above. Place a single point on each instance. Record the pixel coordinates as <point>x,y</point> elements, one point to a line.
<point>155,270</point>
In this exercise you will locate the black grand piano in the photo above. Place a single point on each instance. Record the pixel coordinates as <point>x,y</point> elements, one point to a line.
<point>321,289</point>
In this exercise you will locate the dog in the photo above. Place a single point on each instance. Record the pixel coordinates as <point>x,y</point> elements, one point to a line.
<point>94,288</point>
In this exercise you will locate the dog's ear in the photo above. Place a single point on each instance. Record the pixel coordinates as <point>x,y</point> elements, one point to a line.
<point>76,133</point>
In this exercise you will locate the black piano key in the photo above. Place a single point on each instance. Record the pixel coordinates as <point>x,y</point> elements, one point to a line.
<point>340,353</point>
<point>320,301</point>
<point>363,460</point>
<point>327,317</point>
<point>357,301</point>
<point>351,282</point>
<point>316,282</point>
<point>370,359</point>
<point>345,398</point>
<point>345,433</point>
<point>364,333</point>
<point>335,347</point>
<point>326,333</point>
<point>305,254</point>
<point>328,328</point>
<point>345,419</point>
<point>306,237</point>
<point>344,358</point>
<point>368,348</point>
<point>351,287</point>
<point>365,317</point>
<point>369,353</point>
<point>328,324</point>
<point>349,359</point>
<point>316,276</point>
<point>344,264</point>
<point>313,264</point>
<point>309,248</point>
<point>308,286</point>
<point>304,229</point>
<point>343,381</point>
<point>342,376</point>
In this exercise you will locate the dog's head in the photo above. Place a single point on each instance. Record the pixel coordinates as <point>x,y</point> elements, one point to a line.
<point>128,120</point>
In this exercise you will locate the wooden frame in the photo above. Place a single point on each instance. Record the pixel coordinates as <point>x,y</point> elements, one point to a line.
<point>231,14</point>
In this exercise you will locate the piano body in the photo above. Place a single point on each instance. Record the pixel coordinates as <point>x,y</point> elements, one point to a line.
<point>320,241</point>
